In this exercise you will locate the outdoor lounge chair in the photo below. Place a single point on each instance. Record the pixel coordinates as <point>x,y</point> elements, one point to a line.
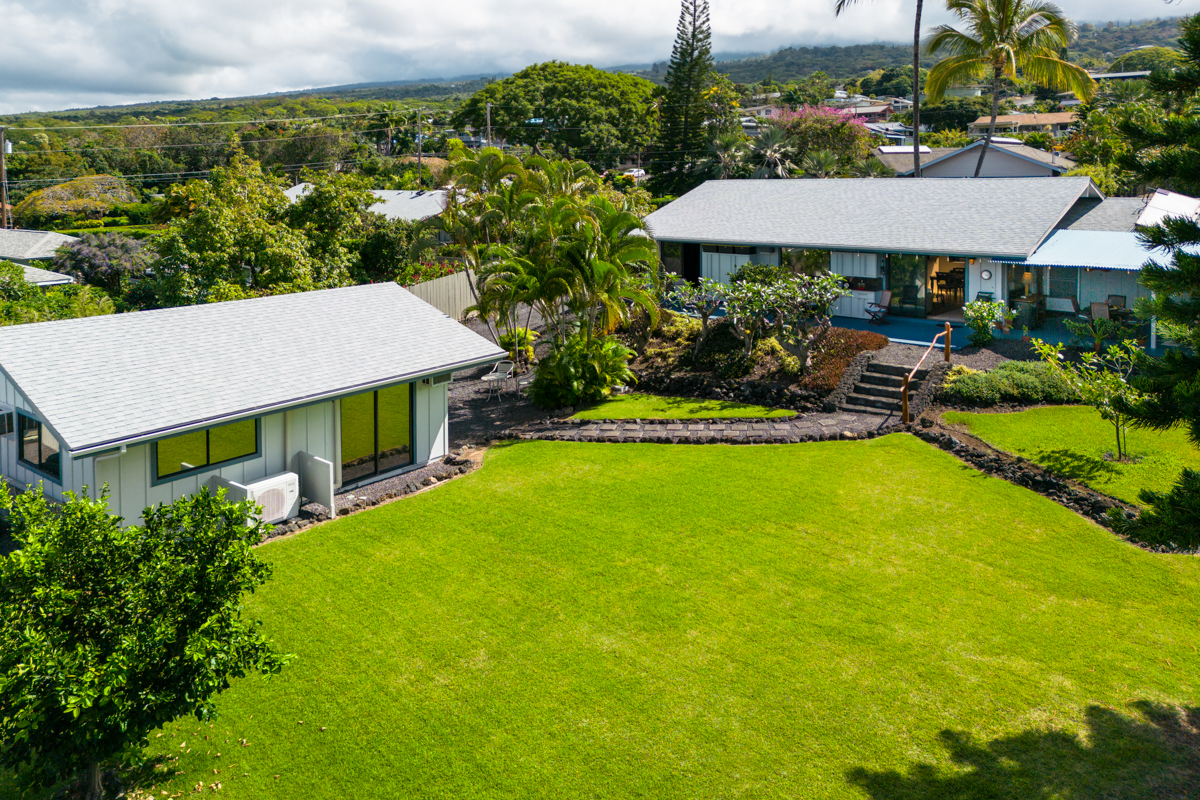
<point>877,311</point>
<point>1079,313</point>
<point>1100,311</point>
<point>1116,301</point>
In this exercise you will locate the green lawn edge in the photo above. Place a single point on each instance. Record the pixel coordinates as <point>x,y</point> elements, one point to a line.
<point>649,406</point>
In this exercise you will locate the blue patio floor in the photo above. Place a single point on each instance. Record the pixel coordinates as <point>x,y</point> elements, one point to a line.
<point>905,330</point>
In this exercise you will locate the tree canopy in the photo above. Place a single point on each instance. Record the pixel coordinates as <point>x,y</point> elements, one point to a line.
<point>1150,58</point>
<point>108,632</point>
<point>568,110</point>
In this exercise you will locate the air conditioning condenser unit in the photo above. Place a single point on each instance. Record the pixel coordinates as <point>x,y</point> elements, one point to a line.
<point>278,495</point>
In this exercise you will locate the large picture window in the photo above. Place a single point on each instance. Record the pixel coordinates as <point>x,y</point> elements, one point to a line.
<point>376,432</point>
<point>205,449</point>
<point>38,448</point>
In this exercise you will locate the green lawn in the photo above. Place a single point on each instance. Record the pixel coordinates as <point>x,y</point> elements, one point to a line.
<point>1072,441</point>
<point>830,620</point>
<point>650,406</point>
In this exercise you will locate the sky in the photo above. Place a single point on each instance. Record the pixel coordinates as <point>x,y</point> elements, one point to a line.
<point>81,53</point>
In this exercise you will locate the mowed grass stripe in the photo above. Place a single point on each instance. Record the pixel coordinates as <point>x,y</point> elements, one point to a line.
<point>703,621</point>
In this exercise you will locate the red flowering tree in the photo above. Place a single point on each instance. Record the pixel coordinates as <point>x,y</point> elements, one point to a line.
<point>832,129</point>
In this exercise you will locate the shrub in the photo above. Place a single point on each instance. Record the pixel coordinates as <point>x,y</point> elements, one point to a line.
<point>114,222</point>
<point>758,273</point>
<point>834,354</point>
<point>84,224</point>
<point>519,342</point>
<point>787,365</point>
<point>724,353</point>
<point>1017,382</point>
<point>574,372</point>
<point>1170,518</point>
<point>982,316</point>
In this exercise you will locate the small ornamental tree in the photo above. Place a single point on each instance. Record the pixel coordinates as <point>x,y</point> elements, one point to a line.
<point>107,633</point>
<point>703,298</point>
<point>1101,380</point>
<point>107,260</point>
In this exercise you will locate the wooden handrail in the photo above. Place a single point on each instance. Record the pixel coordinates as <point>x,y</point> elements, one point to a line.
<point>909,376</point>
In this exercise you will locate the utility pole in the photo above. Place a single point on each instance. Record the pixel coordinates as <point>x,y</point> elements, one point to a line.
<point>489,125</point>
<point>420,176</point>
<point>5,216</point>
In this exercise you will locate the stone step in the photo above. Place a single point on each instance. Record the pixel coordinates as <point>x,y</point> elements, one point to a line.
<point>854,408</point>
<point>872,401</point>
<point>880,379</point>
<point>892,392</point>
<point>899,370</point>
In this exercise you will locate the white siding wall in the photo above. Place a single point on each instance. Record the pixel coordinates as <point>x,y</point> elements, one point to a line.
<point>719,266</point>
<point>976,282</point>
<point>311,429</point>
<point>1096,285</point>
<point>856,265</point>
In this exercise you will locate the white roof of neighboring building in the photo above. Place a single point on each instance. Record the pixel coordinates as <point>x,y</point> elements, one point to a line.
<point>932,216</point>
<point>22,245</point>
<point>1165,204</point>
<point>166,371</point>
<point>45,277</point>
<point>413,206</point>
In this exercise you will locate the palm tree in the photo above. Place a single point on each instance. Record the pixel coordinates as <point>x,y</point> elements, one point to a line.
<point>841,6</point>
<point>821,164</point>
<point>725,156</point>
<point>1005,36</point>
<point>873,168</point>
<point>772,154</point>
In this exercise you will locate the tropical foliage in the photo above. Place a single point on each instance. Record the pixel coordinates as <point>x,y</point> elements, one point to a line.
<point>110,260</point>
<point>108,632</point>
<point>89,197</point>
<point>21,301</point>
<point>568,110</point>
<point>1000,38</point>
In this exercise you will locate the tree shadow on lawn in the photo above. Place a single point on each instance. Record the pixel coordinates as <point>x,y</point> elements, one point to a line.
<point>1156,756</point>
<point>1075,466</point>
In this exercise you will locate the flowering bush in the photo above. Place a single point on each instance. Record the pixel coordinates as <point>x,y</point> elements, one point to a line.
<point>982,316</point>
<point>820,128</point>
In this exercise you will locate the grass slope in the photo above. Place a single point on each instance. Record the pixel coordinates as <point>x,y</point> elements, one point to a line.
<point>840,619</point>
<point>1072,441</point>
<point>649,406</point>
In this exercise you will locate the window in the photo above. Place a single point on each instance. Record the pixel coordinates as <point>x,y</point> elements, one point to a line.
<point>376,432</point>
<point>205,449</point>
<point>7,424</point>
<point>38,448</point>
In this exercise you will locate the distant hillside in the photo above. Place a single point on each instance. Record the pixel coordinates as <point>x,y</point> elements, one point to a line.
<point>1097,46</point>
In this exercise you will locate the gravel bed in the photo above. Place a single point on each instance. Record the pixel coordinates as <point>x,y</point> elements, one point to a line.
<point>981,358</point>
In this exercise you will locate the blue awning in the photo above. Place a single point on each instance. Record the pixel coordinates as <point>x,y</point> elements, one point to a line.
<point>1090,250</point>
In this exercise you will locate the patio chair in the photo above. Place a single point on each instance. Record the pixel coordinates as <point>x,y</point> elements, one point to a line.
<point>1116,300</point>
<point>877,311</point>
<point>986,296</point>
<point>495,380</point>
<point>1079,313</point>
<point>1100,311</point>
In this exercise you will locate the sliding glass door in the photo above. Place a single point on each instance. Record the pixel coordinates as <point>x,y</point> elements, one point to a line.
<point>377,430</point>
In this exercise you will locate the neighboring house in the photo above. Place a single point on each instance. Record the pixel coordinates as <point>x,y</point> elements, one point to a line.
<point>896,133</point>
<point>228,394</point>
<point>935,244</point>
<point>1009,159</point>
<point>1120,76</point>
<point>413,206</point>
<point>30,247</point>
<point>766,112</point>
<point>1057,123</point>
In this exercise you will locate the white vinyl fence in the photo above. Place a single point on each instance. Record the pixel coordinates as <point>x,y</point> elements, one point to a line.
<point>450,294</point>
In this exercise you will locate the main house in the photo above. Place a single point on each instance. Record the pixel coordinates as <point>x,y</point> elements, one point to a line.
<point>924,247</point>
<point>307,392</point>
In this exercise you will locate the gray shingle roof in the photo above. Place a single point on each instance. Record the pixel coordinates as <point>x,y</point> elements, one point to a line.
<point>413,206</point>
<point>902,162</point>
<point>1112,214</point>
<point>22,245</point>
<point>102,381</point>
<point>45,277</point>
<point>933,216</point>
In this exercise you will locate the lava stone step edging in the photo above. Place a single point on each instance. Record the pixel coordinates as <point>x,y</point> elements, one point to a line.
<point>675,420</point>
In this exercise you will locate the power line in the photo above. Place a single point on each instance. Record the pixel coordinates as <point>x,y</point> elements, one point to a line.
<point>192,124</point>
<point>224,142</point>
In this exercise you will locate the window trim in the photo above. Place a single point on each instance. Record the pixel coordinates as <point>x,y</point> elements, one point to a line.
<point>155,480</point>
<point>35,468</point>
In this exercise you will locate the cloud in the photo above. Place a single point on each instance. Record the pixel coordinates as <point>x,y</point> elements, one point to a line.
<point>80,53</point>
